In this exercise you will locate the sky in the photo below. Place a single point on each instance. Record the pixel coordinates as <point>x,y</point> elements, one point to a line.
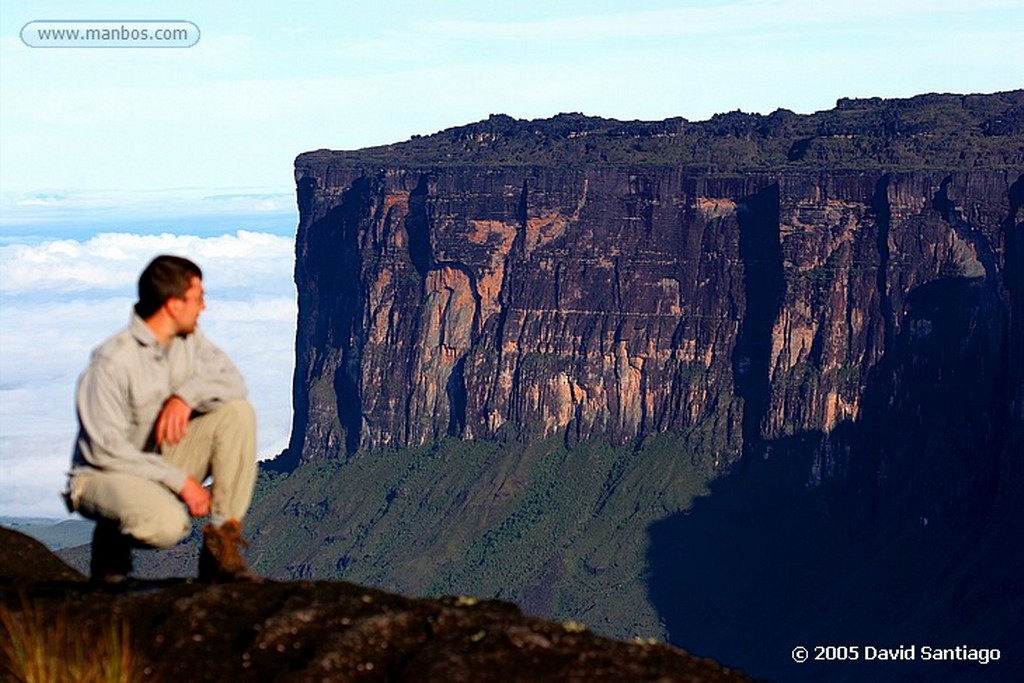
<point>111,155</point>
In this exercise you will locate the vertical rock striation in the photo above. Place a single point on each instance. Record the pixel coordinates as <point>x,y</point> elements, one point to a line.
<point>617,303</point>
<point>518,303</point>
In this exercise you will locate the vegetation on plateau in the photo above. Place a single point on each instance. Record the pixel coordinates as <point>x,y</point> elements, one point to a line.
<point>928,131</point>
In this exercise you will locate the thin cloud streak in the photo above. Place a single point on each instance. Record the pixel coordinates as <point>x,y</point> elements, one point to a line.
<point>21,211</point>
<point>757,16</point>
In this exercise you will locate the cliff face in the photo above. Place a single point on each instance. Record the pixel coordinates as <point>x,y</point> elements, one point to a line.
<point>526,303</point>
<point>617,303</point>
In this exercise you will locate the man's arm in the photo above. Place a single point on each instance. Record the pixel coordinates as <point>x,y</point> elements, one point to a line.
<point>104,439</point>
<point>172,423</point>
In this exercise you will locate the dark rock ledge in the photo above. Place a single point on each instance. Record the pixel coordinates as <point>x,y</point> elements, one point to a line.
<point>311,631</point>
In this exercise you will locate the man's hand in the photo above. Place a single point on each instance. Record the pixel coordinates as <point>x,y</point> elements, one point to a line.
<point>172,423</point>
<point>196,498</point>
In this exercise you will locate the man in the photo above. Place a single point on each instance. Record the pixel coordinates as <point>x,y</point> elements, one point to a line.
<point>160,408</point>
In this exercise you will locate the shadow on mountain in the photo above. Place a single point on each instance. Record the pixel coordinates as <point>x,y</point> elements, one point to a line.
<point>765,564</point>
<point>891,531</point>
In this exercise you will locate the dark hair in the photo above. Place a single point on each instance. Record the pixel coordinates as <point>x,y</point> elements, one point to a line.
<point>166,277</point>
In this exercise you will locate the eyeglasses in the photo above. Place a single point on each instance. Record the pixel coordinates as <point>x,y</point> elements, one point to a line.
<point>201,299</point>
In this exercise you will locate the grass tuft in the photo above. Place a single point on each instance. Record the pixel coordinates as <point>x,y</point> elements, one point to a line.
<point>40,646</point>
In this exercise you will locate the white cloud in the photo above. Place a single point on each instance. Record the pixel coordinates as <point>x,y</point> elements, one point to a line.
<point>60,298</point>
<point>111,261</point>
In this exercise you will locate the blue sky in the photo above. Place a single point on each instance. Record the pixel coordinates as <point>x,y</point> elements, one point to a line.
<point>268,80</point>
<point>109,156</point>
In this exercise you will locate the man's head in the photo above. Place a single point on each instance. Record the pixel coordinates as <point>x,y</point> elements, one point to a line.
<point>173,284</point>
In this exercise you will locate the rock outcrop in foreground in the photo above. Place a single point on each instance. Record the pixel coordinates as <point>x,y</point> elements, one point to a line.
<point>306,631</point>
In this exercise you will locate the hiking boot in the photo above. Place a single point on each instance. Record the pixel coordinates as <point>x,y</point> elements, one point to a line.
<point>111,561</point>
<point>220,559</point>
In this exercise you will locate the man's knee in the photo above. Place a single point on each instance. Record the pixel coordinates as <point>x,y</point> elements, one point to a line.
<point>161,528</point>
<point>238,412</point>
<point>236,425</point>
<point>142,509</point>
<point>235,422</point>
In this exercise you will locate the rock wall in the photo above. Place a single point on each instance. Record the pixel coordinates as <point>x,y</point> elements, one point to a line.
<point>530,302</point>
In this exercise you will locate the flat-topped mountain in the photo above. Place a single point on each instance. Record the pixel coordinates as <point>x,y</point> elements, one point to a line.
<point>736,279</point>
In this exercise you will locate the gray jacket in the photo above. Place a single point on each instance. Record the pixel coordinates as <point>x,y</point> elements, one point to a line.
<point>122,390</point>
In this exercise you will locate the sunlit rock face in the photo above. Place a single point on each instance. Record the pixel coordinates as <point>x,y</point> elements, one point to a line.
<point>487,303</point>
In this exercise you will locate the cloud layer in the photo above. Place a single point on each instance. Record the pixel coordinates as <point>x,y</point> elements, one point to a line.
<point>60,298</point>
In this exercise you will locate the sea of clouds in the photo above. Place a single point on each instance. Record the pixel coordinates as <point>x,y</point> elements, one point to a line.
<point>59,298</point>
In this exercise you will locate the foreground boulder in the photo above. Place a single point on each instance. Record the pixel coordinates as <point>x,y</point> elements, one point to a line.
<point>299,631</point>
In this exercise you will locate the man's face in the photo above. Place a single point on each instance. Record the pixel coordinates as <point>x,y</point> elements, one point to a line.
<point>186,313</point>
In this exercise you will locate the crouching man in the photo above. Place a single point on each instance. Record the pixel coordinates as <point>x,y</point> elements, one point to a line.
<point>160,409</point>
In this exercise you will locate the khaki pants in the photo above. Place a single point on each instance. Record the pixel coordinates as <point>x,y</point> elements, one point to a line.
<point>221,443</point>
